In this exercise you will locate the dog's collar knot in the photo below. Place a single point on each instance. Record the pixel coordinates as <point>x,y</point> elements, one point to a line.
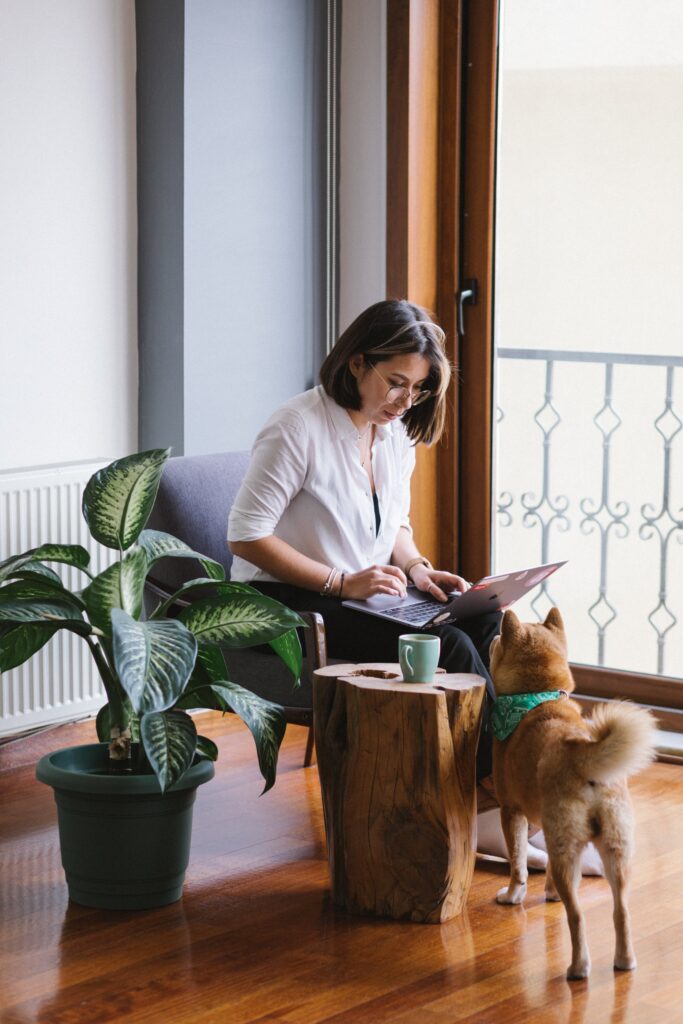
<point>509,710</point>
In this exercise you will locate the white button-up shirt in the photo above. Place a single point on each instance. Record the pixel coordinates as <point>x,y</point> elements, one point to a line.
<point>305,485</point>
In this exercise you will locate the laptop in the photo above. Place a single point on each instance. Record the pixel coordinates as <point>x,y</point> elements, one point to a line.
<point>492,593</point>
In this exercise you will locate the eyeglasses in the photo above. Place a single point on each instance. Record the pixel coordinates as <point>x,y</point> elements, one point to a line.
<point>398,395</point>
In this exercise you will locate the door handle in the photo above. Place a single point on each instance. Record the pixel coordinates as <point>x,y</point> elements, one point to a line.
<point>468,295</point>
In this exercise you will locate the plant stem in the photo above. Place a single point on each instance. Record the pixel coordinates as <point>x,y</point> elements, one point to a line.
<point>103,668</point>
<point>119,748</point>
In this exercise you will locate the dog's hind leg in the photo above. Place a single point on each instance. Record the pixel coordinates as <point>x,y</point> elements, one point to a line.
<point>566,869</point>
<point>516,830</point>
<point>617,870</point>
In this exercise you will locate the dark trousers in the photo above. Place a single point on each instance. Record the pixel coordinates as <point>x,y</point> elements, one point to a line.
<point>353,636</point>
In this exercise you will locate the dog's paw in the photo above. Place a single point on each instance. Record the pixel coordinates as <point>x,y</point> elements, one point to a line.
<point>580,969</point>
<point>513,893</point>
<point>625,963</point>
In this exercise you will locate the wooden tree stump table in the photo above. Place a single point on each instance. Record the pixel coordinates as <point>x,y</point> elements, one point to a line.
<point>397,770</point>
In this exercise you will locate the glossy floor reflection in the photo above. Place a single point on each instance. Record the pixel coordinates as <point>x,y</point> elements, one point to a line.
<point>255,937</point>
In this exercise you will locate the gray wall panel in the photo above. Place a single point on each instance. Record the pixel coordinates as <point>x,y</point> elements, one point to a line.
<point>160,63</point>
<point>232,229</point>
<point>253,199</point>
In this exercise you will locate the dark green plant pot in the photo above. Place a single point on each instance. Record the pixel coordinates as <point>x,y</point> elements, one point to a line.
<point>125,846</point>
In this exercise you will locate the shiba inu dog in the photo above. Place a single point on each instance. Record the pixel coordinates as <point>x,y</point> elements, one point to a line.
<point>553,768</point>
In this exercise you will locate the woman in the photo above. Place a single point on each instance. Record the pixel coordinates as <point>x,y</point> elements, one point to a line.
<point>323,513</point>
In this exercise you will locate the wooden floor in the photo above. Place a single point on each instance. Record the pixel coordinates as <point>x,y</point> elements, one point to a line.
<point>256,939</point>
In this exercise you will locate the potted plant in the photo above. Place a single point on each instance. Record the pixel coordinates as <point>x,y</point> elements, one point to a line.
<point>125,804</point>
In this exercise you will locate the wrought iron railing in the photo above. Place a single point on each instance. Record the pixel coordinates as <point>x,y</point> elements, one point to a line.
<point>657,518</point>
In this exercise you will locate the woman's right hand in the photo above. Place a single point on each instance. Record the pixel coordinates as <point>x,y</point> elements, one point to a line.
<point>377,579</point>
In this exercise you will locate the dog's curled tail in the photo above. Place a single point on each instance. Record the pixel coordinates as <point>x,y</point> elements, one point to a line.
<point>622,742</point>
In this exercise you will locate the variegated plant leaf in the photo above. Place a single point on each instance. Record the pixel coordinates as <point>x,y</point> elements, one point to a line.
<point>118,499</point>
<point>49,611</point>
<point>239,620</point>
<point>19,642</point>
<point>153,660</point>
<point>12,565</point>
<point>121,585</point>
<point>199,696</point>
<point>164,545</point>
<point>31,570</point>
<point>265,720</point>
<point>170,741</point>
<point>103,723</point>
<point>212,661</point>
<point>207,747</point>
<point>224,589</point>
<point>209,667</point>
<point>33,585</point>
<point>69,554</point>
<point>288,647</point>
<point>235,587</point>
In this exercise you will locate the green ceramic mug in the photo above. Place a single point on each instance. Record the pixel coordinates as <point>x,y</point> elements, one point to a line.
<point>418,654</point>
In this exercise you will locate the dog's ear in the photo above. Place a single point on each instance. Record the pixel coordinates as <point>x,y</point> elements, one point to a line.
<point>553,620</point>
<point>510,627</point>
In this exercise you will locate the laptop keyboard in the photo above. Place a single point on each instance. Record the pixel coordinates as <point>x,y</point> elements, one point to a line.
<point>419,613</point>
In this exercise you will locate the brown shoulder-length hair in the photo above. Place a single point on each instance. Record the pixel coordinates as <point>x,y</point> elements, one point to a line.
<point>391,328</point>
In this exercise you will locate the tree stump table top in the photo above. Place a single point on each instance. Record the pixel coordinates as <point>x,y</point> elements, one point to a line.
<point>398,776</point>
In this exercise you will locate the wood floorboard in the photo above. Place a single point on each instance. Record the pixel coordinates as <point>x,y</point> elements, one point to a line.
<point>255,939</point>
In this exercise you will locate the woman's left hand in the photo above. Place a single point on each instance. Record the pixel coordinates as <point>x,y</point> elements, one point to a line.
<point>436,582</point>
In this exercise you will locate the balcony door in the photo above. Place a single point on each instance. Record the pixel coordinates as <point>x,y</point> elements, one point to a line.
<point>574,352</point>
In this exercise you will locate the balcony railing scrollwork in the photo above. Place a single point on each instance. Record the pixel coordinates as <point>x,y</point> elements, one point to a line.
<point>608,516</point>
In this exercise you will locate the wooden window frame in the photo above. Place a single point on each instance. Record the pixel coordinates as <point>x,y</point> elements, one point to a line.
<point>424,55</point>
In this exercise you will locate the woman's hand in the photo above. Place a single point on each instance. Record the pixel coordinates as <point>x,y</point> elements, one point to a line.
<point>378,579</point>
<point>437,583</point>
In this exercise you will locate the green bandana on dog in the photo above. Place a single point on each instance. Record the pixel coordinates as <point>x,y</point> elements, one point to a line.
<point>509,710</point>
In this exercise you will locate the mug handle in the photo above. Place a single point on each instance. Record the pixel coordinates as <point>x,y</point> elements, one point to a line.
<point>408,648</point>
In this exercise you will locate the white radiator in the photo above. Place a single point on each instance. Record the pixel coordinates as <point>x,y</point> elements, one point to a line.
<point>60,683</point>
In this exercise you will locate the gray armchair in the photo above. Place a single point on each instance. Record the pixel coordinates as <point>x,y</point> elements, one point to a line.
<point>194,499</point>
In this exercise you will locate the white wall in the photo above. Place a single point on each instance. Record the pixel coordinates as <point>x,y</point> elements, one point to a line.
<point>363,169</point>
<point>68,342</point>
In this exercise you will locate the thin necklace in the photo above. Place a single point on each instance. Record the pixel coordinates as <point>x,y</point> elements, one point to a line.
<point>363,458</point>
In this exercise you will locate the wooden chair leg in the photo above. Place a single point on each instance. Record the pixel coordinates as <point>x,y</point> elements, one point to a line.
<point>309,756</point>
<point>316,656</point>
